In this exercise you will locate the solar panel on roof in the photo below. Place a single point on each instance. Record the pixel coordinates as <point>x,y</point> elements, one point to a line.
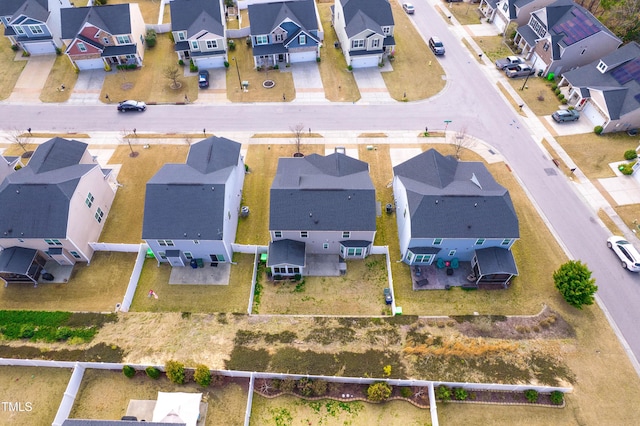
<point>576,28</point>
<point>627,72</point>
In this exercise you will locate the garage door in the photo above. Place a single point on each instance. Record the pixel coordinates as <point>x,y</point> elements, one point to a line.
<point>205,63</point>
<point>302,56</point>
<point>593,114</point>
<point>90,64</point>
<point>41,48</point>
<point>364,61</point>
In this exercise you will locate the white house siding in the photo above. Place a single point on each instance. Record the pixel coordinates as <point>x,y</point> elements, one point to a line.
<point>464,247</point>
<point>54,21</point>
<point>403,216</point>
<point>138,28</point>
<point>201,250</point>
<point>82,226</point>
<point>314,243</point>
<point>40,244</point>
<point>232,200</point>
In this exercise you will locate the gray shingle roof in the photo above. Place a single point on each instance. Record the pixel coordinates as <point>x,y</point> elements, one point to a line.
<point>445,202</point>
<point>360,15</point>
<point>572,23</point>
<point>35,199</point>
<point>194,16</point>
<point>186,201</point>
<point>496,260</point>
<point>286,251</point>
<point>620,99</point>
<point>265,17</point>
<point>112,18</point>
<point>16,260</point>
<point>317,193</point>
<point>36,9</point>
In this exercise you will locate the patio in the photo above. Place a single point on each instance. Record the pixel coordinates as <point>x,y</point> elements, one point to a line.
<point>206,275</point>
<point>430,277</point>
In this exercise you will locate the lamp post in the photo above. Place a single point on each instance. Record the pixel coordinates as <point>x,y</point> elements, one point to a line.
<point>238,71</point>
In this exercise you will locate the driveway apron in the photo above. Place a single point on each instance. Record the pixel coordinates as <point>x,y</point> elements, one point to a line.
<point>307,81</point>
<point>372,88</point>
<point>88,87</point>
<point>32,79</point>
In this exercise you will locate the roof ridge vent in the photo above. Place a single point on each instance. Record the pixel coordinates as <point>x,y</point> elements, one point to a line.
<point>474,179</point>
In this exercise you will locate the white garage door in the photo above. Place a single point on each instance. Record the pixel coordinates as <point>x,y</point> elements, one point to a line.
<point>206,63</point>
<point>364,61</point>
<point>41,48</point>
<point>90,64</point>
<point>593,114</point>
<point>302,57</point>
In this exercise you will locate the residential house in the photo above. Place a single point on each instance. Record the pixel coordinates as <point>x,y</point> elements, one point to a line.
<point>53,208</point>
<point>320,205</point>
<point>288,32</point>
<point>33,25</point>
<point>8,165</point>
<point>365,31</point>
<point>199,32</point>
<point>503,12</point>
<point>607,91</point>
<point>448,209</point>
<point>191,210</point>
<point>103,36</point>
<point>563,36</point>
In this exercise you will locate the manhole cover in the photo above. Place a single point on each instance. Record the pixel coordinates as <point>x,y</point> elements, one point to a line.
<point>126,86</point>
<point>268,84</point>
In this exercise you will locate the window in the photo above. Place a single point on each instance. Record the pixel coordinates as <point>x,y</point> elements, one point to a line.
<point>293,270</point>
<point>105,40</point>
<point>188,255</point>
<point>353,251</point>
<point>357,44</point>
<point>99,215</point>
<point>181,36</point>
<point>422,258</point>
<point>506,242</point>
<point>583,50</point>
<point>437,241</point>
<point>212,44</point>
<point>375,43</point>
<point>262,39</point>
<point>602,66</point>
<point>346,234</point>
<point>123,39</point>
<point>194,45</point>
<point>36,29</point>
<point>546,46</point>
<point>505,6</point>
<point>538,27</point>
<point>302,39</point>
<point>53,242</point>
<point>480,241</point>
<point>279,37</point>
<point>409,256</point>
<point>304,234</point>
<point>216,257</point>
<point>277,234</point>
<point>165,243</point>
<point>89,200</point>
<point>19,29</point>
<point>82,48</point>
<point>452,253</point>
<point>162,255</point>
<point>325,246</point>
<point>386,30</point>
<point>196,242</point>
<point>75,254</point>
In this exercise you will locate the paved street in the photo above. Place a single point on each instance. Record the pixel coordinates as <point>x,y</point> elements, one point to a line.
<point>470,100</point>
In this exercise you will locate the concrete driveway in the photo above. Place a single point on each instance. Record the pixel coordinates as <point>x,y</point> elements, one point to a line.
<point>88,87</point>
<point>307,81</point>
<point>583,125</point>
<point>371,84</point>
<point>32,79</point>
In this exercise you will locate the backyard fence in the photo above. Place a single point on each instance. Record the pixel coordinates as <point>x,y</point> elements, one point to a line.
<point>133,280</point>
<point>122,248</point>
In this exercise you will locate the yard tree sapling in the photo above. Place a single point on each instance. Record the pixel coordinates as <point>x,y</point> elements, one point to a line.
<point>573,280</point>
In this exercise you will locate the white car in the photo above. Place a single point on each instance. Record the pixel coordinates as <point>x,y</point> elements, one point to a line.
<point>408,7</point>
<point>627,253</point>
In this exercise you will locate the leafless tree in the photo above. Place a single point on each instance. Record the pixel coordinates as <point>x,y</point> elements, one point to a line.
<point>265,386</point>
<point>125,137</point>
<point>297,135</point>
<point>172,73</point>
<point>188,139</point>
<point>19,138</point>
<point>461,142</point>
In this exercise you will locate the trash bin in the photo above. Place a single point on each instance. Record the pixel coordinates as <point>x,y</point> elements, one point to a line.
<point>47,276</point>
<point>194,263</point>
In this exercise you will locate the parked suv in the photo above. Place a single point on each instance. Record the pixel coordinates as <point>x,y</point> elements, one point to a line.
<point>563,115</point>
<point>436,46</point>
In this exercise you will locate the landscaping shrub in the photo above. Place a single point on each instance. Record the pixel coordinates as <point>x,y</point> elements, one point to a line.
<point>561,96</point>
<point>287,385</point>
<point>14,47</point>
<point>226,64</point>
<point>202,375</point>
<point>63,333</point>
<point>460,394</point>
<point>174,371</point>
<point>573,280</point>
<point>630,154</point>
<point>350,68</point>
<point>27,331</point>
<point>150,38</point>
<point>152,372</point>
<point>627,169</point>
<point>443,393</point>
<point>564,101</point>
<point>192,66</point>
<point>319,387</point>
<point>378,392</point>
<point>318,59</point>
<point>556,91</point>
<point>554,86</point>
<point>181,62</point>
<point>304,387</point>
<point>128,371</point>
<point>406,392</point>
<point>232,45</point>
<point>557,398</point>
<point>597,130</point>
<point>531,395</point>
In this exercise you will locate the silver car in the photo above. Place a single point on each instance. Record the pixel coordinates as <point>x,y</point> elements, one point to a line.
<point>563,115</point>
<point>626,252</point>
<point>521,70</point>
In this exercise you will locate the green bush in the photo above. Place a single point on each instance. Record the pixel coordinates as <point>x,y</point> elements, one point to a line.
<point>443,393</point>
<point>630,154</point>
<point>557,397</point>
<point>460,394</point>
<point>150,38</point>
<point>287,385</point>
<point>181,62</point>
<point>152,372</point>
<point>561,96</point>
<point>304,387</point>
<point>531,395</point>
<point>378,392</point>
<point>319,387</point>
<point>226,64</point>
<point>406,392</point>
<point>27,331</point>
<point>597,130</point>
<point>318,59</point>
<point>63,333</point>
<point>350,68</point>
<point>174,371</point>
<point>232,45</point>
<point>128,371</point>
<point>627,169</point>
<point>202,375</point>
<point>556,91</point>
<point>14,47</point>
<point>554,86</point>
